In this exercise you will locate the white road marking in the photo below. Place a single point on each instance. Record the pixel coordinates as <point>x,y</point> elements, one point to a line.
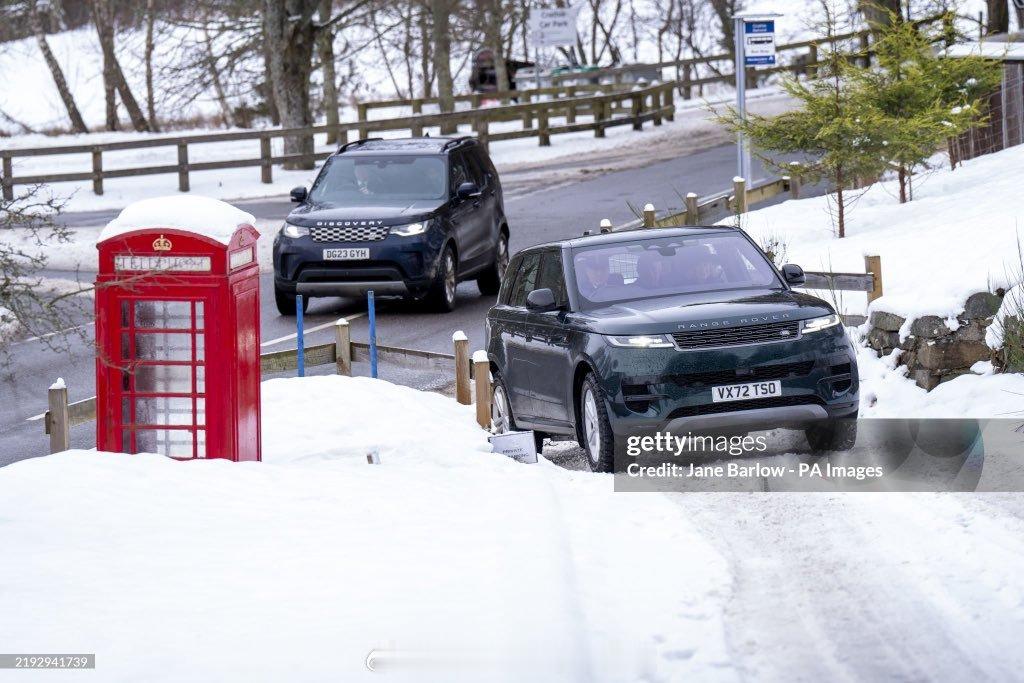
<point>293,335</point>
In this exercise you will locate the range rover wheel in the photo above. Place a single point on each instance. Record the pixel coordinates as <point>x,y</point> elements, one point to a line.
<point>502,420</point>
<point>286,302</point>
<point>833,435</point>
<point>441,296</point>
<point>489,281</point>
<point>594,430</point>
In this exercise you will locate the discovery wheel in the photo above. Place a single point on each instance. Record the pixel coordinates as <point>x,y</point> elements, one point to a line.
<point>489,281</point>
<point>441,295</point>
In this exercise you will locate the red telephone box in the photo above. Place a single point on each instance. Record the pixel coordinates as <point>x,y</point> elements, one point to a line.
<point>177,338</point>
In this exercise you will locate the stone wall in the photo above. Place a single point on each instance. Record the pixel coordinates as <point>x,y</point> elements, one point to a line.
<point>932,351</point>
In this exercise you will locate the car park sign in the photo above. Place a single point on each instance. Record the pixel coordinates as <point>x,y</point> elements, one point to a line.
<point>553,26</point>
<point>759,42</point>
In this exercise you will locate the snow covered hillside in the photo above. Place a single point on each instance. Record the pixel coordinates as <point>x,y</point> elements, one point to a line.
<point>960,235</point>
<point>297,567</point>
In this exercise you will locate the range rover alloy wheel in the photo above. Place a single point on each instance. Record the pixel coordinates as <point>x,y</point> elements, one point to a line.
<point>501,416</point>
<point>595,431</point>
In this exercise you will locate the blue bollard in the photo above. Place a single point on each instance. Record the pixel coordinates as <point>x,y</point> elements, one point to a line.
<point>373,333</point>
<point>301,342</point>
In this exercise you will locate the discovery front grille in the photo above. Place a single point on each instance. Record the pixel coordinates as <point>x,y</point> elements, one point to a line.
<point>734,336</point>
<point>355,233</point>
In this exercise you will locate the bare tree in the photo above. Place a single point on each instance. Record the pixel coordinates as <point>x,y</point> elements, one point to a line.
<point>998,17</point>
<point>150,46</point>
<point>103,18</point>
<point>493,15</point>
<point>325,49</point>
<point>440,15</point>
<point>36,20</point>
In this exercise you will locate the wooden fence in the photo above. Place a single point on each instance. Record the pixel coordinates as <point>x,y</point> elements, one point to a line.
<point>634,107</point>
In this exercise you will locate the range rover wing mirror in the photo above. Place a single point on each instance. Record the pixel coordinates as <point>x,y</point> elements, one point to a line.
<point>541,300</point>
<point>299,194</point>
<point>794,274</point>
<point>468,191</point>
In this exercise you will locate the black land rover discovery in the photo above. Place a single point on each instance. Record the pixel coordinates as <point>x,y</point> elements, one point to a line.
<point>408,217</point>
<point>609,337</point>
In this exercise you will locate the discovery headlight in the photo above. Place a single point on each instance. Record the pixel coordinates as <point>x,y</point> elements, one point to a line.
<point>410,229</point>
<point>822,323</point>
<point>641,341</point>
<point>293,231</point>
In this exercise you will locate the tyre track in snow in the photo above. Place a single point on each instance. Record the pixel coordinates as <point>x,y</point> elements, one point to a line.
<point>869,586</point>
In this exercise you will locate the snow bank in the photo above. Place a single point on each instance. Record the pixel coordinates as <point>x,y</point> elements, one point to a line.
<point>958,236</point>
<point>297,567</point>
<point>202,215</point>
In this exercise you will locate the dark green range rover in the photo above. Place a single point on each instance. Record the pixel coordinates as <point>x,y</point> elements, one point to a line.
<point>685,330</point>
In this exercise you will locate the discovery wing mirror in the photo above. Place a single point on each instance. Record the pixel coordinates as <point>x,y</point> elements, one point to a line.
<point>468,191</point>
<point>541,300</point>
<point>299,194</point>
<point>794,275</point>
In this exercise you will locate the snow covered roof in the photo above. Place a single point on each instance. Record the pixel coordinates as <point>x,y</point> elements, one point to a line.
<point>994,49</point>
<point>203,216</point>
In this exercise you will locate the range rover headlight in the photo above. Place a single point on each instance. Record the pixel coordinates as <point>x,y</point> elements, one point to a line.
<point>822,323</point>
<point>641,341</point>
<point>293,231</point>
<point>410,229</point>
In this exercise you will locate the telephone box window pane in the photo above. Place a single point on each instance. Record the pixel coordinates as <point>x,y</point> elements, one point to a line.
<point>125,314</point>
<point>126,411</point>
<point>126,350</point>
<point>163,411</point>
<point>200,411</point>
<point>201,443</point>
<point>168,315</point>
<point>164,379</point>
<point>200,347</point>
<point>176,443</point>
<point>199,315</point>
<point>200,379</point>
<point>163,346</point>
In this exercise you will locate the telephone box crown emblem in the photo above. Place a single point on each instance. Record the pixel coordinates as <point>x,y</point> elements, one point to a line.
<point>161,243</point>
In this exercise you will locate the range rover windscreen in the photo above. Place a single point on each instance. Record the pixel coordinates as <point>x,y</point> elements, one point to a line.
<point>647,268</point>
<point>376,180</point>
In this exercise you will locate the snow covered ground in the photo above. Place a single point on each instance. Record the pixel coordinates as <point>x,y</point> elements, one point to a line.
<point>297,567</point>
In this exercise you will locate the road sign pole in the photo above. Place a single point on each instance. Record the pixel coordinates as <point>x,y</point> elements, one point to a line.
<point>742,152</point>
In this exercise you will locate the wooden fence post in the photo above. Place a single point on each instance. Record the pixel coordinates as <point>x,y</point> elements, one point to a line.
<point>527,115</point>
<point>266,169</point>
<point>794,179</point>
<point>483,134</point>
<point>636,110</point>
<point>417,106</point>
<point>865,50</point>
<point>543,135</point>
<point>649,215</point>
<point>812,61</point>
<point>482,375</point>
<point>343,347</point>
<point>58,425</point>
<point>182,167</point>
<point>692,209</point>
<point>669,101</point>
<point>600,112</point>
<point>739,190</point>
<point>873,265</point>
<point>8,171</point>
<point>656,107</point>
<point>462,389</point>
<point>97,171</point>
<point>361,113</point>
<point>570,113</point>
<point>606,225</point>
<point>474,100</point>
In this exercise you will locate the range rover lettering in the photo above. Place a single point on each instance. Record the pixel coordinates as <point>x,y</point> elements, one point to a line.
<point>678,329</point>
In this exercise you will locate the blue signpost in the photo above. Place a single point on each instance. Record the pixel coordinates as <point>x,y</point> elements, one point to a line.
<point>754,46</point>
<point>301,342</point>
<point>371,308</point>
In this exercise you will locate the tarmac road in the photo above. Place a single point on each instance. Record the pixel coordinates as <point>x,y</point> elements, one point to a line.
<point>560,201</point>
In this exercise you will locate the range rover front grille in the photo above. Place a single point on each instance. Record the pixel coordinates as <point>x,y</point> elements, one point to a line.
<point>353,233</point>
<point>734,336</point>
<point>754,374</point>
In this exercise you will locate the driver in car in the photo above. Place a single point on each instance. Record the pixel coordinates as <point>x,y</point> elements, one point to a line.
<point>596,274</point>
